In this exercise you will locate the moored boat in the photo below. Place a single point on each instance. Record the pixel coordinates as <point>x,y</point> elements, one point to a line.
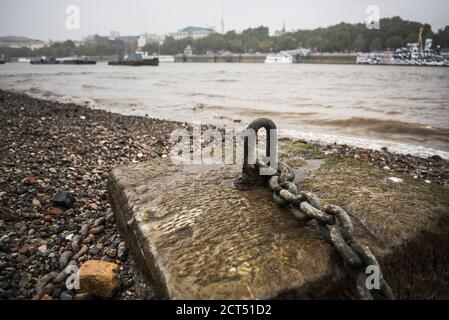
<point>135,63</point>
<point>280,58</point>
<point>76,60</point>
<point>44,60</point>
<point>166,59</point>
<point>134,59</point>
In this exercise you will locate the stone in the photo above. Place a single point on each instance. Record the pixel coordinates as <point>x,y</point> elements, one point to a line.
<point>27,247</point>
<point>97,230</point>
<point>69,237</point>
<point>46,279</point>
<point>81,252</point>
<point>42,249</point>
<point>65,258</point>
<point>84,230</point>
<point>111,252</point>
<point>83,296</point>
<point>36,203</point>
<point>99,278</point>
<point>66,295</point>
<point>64,199</point>
<point>99,222</point>
<point>395,179</point>
<point>47,290</point>
<point>55,212</point>
<point>196,237</point>
<point>122,250</point>
<point>7,216</point>
<point>60,278</point>
<point>31,181</point>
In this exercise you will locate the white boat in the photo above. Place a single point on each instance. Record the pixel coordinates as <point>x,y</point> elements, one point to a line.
<point>280,58</point>
<point>166,59</point>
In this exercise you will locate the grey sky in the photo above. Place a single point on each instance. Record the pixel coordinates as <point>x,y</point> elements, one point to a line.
<point>45,19</point>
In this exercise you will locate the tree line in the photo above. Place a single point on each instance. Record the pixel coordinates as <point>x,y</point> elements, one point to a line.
<point>344,37</point>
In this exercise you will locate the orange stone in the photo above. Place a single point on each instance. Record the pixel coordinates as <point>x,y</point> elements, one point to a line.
<point>99,278</point>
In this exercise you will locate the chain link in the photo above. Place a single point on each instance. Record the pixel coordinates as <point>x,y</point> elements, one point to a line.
<point>335,225</point>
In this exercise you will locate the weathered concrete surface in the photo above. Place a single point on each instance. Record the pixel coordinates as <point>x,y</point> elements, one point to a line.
<point>199,238</point>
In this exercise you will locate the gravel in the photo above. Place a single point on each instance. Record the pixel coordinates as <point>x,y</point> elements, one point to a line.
<point>54,208</point>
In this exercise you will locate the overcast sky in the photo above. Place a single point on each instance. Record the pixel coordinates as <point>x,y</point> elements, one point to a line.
<point>45,19</point>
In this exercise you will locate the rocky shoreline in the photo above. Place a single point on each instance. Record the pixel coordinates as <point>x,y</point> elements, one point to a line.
<point>49,147</point>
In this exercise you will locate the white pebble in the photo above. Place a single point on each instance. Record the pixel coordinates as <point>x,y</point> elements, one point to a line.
<point>427,181</point>
<point>42,249</point>
<point>82,117</point>
<point>395,180</point>
<point>69,237</point>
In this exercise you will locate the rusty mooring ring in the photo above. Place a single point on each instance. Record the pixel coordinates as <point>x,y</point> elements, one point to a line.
<point>250,171</point>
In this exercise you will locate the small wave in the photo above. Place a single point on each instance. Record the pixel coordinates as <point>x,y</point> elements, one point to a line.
<point>89,86</point>
<point>392,113</point>
<point>36,92</point>
<point>385,126</point>
<point>39,93</point>
<point>206,95</point>
<point>124,77</point>
<point>225,80</point>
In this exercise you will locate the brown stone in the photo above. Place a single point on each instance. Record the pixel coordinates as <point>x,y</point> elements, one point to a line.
<point>97,230</point>
<point>83,296</point>
<point>31,181</point>
<point>99,278</point>
<point>55,211</point>
<point>24,249</point>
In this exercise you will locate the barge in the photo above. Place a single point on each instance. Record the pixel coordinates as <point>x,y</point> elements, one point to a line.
<point>44,60</point>
<point>78,61</point>
<point>134,59</point>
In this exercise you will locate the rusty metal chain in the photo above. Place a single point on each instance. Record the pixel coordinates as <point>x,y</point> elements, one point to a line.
<point>334,223</point>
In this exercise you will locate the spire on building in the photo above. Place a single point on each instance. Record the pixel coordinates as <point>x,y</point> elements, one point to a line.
<point>222,18</point>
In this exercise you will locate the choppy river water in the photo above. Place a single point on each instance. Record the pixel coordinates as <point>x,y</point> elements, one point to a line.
<point>405,109</point>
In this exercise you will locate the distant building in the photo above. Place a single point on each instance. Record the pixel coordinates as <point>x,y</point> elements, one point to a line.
<point>114,35</point>
<point>149,38</point>
<point>188,51</point>
<point>130,42</point>
<point>192,32</point>
<point>21,42</point>
<point>95,39</point>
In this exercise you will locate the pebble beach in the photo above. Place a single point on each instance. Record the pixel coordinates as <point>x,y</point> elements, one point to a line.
<point>53,149</point>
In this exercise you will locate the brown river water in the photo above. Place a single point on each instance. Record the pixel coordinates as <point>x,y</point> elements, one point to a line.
<point>405,109</point>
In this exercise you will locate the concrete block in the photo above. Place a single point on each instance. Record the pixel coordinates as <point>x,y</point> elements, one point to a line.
<point>197,237</point>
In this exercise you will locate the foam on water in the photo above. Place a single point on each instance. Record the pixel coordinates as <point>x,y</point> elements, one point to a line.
<point>396,147</point>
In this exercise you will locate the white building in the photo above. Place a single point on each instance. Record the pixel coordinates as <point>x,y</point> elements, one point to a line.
<point>149,38</point>
<point>192,32</point>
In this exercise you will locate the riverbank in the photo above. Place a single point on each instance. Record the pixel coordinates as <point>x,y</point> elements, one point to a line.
<point>48,147</point>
